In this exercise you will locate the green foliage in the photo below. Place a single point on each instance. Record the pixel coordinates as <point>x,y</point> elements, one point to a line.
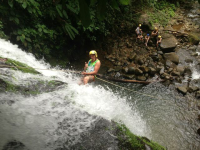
<point>162,12</point>
<point>20,66</point>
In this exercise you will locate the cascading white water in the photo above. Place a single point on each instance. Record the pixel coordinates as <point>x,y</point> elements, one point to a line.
<point>35,120</point>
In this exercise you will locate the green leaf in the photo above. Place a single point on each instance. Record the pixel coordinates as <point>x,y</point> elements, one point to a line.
<point>30,10</point>
<point>45,31</point>
<point>40,29</point>
<point>124,2</point>
<point>76,31</point>
<point>101,9</point>
<point>65,14</point>
<point>28,39</point>
<point>22,39</point>
<point>16,20</point>
<point>59,8</point>
<point>24,5</point>
<point>18,38</point>
<point>84,13</point>
<point>10,3</point>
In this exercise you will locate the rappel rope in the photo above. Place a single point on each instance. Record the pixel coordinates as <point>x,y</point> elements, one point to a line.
<point>79,72</point>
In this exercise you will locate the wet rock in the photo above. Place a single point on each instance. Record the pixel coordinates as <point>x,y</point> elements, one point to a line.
<point>110,70</point>
<point>182,89</point>
<point>15,145</point>
<point>118,68</point>
<point>189,61</point>
<point>188,70</point>
<point>132,57</point>
<point>126,76</point>
<point>180,69</point>
<point>193,89</point>
<point>170,64</point>
<point>125,69</point>
<point>173,57</point>
<point>152,71</point>
<point>3,85</point>
<point>141,78</point>
<point>138,71</point>
<point>144,69</point>
<point>168,44</point>
<point>131,69</point>
<point>192,48</point>
<point>162,70</point>
<point>194,38</point>
<point>198,94</point>
<point>175,73</point>
<point>194,54</point>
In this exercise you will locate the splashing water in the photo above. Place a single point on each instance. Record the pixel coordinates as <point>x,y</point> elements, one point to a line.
<point>34,120</point>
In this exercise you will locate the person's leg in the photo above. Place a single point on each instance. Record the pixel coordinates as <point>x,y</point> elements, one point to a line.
<point>87,79</point>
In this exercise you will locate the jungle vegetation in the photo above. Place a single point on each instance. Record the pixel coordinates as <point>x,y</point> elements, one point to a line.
<point>55,28</point>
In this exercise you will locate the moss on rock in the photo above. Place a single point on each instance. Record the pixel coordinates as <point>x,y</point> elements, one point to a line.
<point>130,141</point>
<point>194,38</point>
<point>16,65</point>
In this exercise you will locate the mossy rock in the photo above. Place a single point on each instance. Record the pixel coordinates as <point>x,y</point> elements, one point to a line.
<point>16,65</point>
<point>194,38</point>
<point>130,141</point>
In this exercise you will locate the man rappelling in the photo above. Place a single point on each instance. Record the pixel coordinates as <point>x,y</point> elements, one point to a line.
<point>91,68</point>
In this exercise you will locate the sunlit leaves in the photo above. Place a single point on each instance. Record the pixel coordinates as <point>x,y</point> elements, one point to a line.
<point>125,2</point>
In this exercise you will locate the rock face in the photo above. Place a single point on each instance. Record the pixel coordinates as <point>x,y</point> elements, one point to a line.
<point>173,57</point>
<point>182,89</point>
<point>168,44</point>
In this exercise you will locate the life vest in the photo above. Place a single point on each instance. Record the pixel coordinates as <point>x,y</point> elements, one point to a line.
<point>91,65</point>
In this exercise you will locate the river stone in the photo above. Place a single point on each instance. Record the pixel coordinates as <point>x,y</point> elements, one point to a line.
<point>141,78</point>
<point>15,145</point>
<point>126,76</point>
<point>152,71</point>
<point>138,71</point>
<point>198,94</point>
<point>118,68</point>
<point>144,69</point>
<point>162,70</point>
<point>182,89</point>
<point>110,70</point>
<point>132,57</point>
<point>180,69</point>
<point>125,69</point>
<point>169,64</point>
<point>3,86</point>
<point>189,61</point>
<point>192,88</point>
<point>175,73</point>
<point>168,44</point>
<point>172,57</point>
<point>131,70</point>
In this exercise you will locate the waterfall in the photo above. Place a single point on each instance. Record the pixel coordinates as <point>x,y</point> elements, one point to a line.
<point>34,120</point>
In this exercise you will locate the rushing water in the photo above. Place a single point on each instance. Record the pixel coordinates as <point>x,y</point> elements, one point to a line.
<point>36,120</point>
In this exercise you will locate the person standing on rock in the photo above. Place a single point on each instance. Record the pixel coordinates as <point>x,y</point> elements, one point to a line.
<point>137,31</point>
<point>159,39</point>
<point>154,34</point>
<point>146,38</point>
<point>91,68</point>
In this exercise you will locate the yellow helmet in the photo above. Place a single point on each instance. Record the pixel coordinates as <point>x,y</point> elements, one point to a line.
<point>139,25</point>
<point>156,28</point>
<point>93,52</point>
<point>159,36</point>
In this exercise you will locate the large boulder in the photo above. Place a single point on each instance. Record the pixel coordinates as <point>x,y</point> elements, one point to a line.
<point>168,44</point>
<point>173,57</point>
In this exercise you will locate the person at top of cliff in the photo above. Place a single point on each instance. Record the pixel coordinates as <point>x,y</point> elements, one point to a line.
<point>137,30</point>
<point>91,68</point>
<point>159,40</point>
<point>155,32</point>
<point>146,38</point>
